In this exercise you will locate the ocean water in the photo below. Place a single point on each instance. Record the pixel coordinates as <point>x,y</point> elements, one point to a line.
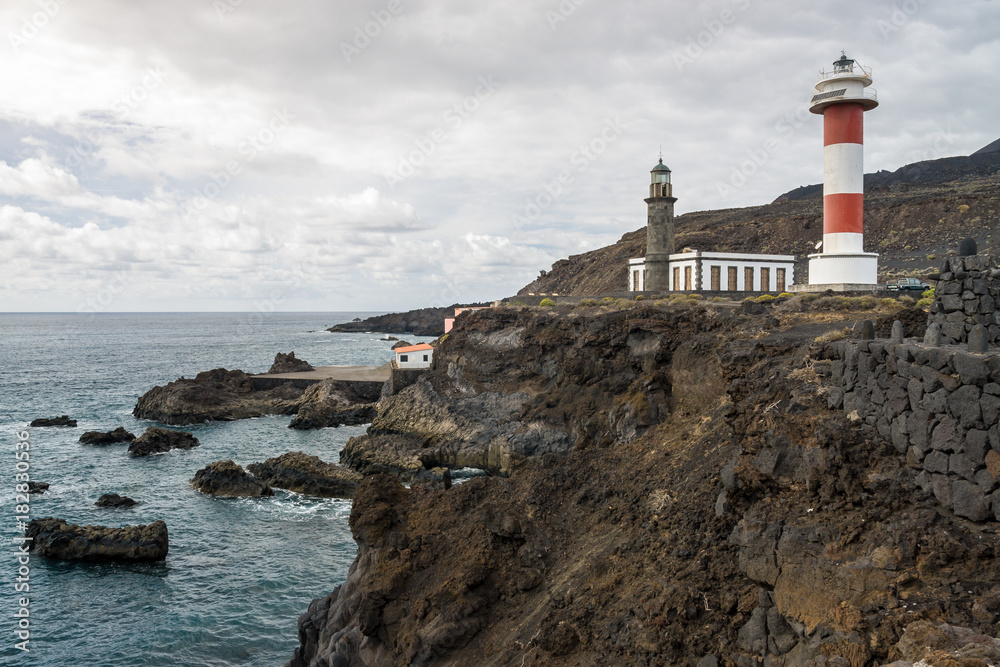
<point>239,572</point>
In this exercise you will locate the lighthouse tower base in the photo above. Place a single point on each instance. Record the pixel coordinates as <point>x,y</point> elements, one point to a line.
<point>842,272</point>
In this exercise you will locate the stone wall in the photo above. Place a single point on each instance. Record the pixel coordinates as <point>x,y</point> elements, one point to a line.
<point>939,406</point>
<point>967,293</point>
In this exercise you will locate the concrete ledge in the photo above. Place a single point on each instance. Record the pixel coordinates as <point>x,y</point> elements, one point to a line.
<point>839,287</point>
<point>367,374</point>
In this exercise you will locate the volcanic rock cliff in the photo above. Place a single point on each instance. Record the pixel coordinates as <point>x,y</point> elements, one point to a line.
<point>680,494</point>
<point>913,217</point>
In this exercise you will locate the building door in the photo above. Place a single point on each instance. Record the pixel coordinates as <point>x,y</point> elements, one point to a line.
<point>677,278</point>
<point>716,278</point>
<point>635,281</point>
<point>780,277</point>
<point>748,278</point>
<point>687,278</point>
<point>732,278</point>
<point>765,279</point>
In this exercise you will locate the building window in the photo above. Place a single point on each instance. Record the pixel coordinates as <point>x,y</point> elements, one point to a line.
<point>687,278</point>
<point>765,279</point>
<point>677,278</point>
<point>732,278</point>
<point>780,277</point>
<point>404,357</point>
<point>716,278</point>
<point>425,357</point>
<point>748,278</point>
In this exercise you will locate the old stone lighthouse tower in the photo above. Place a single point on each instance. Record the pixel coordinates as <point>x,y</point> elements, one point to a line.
<point>659,229</point>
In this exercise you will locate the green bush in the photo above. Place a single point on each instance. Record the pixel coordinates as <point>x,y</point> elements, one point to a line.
<point>925,302</point>
<point>546,302</point>
<point>928,294</point>
<point>766,298</point>
<point>587,303</point>
<point>864,302</point>
<point>608,300</point>
<point>785,295</point>
<point>640,297</point>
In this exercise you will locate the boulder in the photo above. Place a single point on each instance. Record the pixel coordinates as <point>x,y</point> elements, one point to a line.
<point>55,421</point>
<point>107,438</point>
<point>38,487</point>
<point>158,440</point>
<point>54,538</point>
<point>333,403</point>
<point>303,473</point>
<point>225,478</point>
<point>287,363</point>
<point>114,500</point>
<point>216,395</point>
<point>401,343</point>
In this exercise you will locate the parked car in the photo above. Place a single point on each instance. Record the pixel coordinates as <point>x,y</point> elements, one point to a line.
<point>908,284</point>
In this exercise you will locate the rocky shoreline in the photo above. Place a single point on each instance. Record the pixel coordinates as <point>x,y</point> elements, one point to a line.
<point>670,487</point>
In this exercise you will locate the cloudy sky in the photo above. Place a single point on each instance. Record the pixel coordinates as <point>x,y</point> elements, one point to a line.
<point>390,154</point>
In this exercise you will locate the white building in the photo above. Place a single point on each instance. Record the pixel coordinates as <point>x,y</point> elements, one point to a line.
<point>698,271</point>
<point>414,356</point>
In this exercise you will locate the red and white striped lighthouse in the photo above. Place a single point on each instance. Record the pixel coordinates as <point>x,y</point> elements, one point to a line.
<point>842,98</point>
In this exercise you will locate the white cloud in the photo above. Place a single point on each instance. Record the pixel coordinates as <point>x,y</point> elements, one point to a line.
<point>217,158</point>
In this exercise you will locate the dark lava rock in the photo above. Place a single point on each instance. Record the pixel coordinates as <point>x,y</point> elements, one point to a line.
<point>312,416</point>
<point>333,403</point>
<point>114,500</point>
<point>38,487</point>
<point>226,478</point>
<point>302,473</point>
<point>108,438</point>
<point>56,421</point>
<point>421,322</point>
<point>157,440</point>
<point>215,395</point>
<point>54,538</point>
<point>287,363</point>
<point>402,343</point>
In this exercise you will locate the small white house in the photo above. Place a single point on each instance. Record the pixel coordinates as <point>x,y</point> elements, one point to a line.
<point>414,356</point>
<point>697,271</point>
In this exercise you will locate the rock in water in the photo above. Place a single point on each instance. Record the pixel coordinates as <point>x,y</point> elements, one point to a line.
<point>54,538</point>
<point>333,403</point>
<point>218,394</point>
<point>114,500</point>
<point>108,438</point>
<point>226,478</point>
<point>55,421</point>
<point>287,363</point>
<point>38,487</point>
<point>302,473</point>
<point>158,440</point>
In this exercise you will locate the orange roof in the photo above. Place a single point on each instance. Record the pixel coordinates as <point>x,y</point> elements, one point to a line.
<point>413,348</point>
